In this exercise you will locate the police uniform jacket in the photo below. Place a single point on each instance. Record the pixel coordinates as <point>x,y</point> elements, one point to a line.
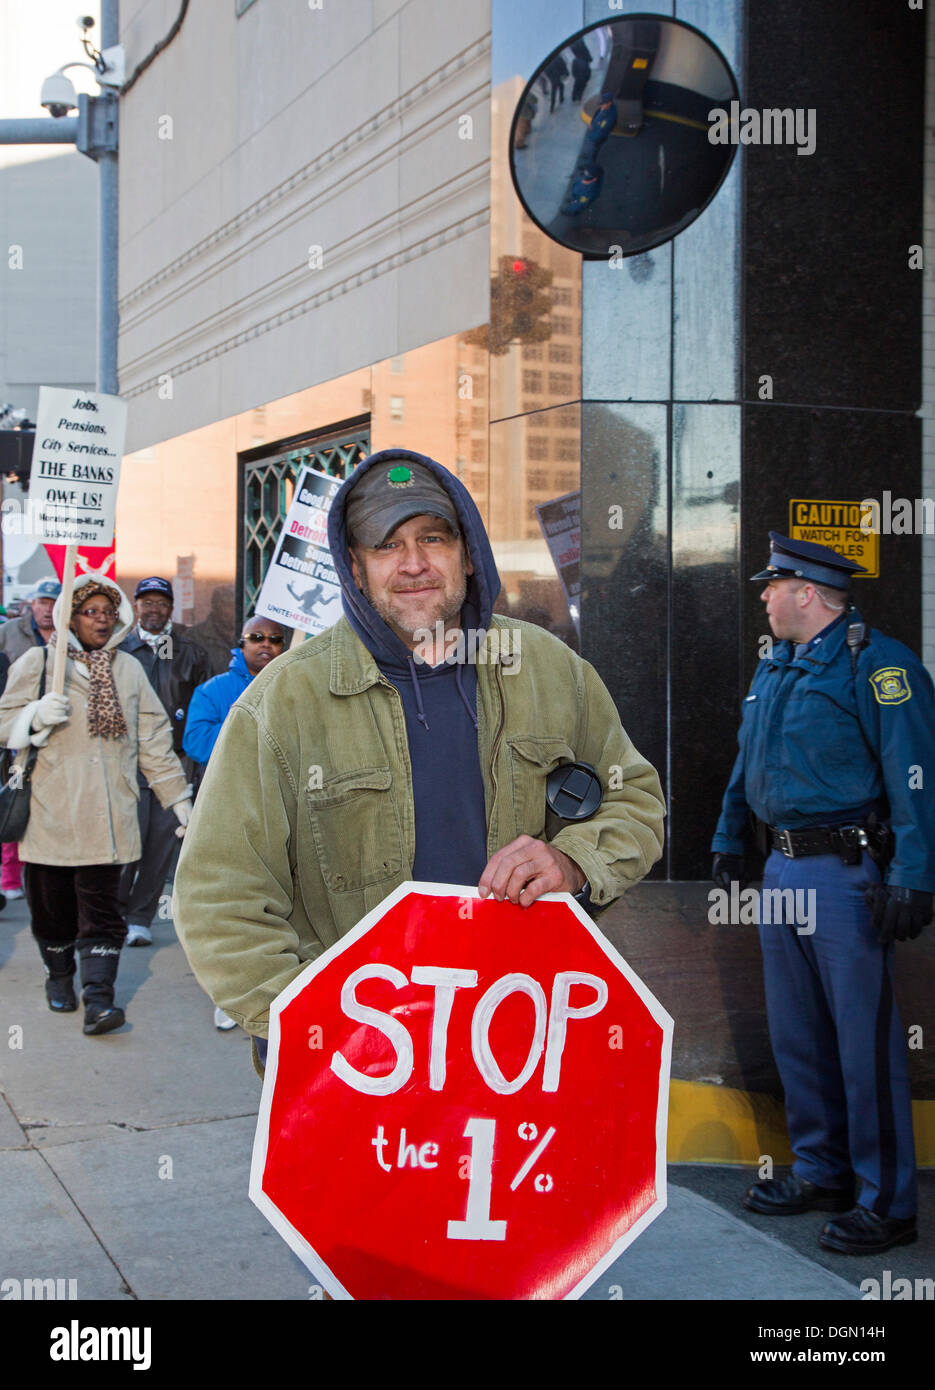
<point>822,744</point>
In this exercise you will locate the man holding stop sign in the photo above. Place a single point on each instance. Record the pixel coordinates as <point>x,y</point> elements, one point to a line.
<point>411,741</point>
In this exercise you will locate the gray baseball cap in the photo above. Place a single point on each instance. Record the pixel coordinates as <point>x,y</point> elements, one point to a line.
<point>389,494</point>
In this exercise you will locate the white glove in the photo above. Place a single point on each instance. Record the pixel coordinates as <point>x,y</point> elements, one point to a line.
<point>51,709</point>
<point>183,809</point>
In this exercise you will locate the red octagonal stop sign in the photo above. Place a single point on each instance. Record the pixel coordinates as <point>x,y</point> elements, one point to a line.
<point>464,1099</point>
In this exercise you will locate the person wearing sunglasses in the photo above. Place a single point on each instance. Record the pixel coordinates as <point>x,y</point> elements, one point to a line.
<point>260,641</point>
<point>92,739</point>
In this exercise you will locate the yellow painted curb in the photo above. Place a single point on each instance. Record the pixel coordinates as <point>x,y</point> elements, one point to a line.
<point>718,1124</point>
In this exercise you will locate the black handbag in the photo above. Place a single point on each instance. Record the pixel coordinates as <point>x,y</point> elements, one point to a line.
<point>15,787</point>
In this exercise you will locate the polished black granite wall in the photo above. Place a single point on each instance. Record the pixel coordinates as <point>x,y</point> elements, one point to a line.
<point>832,310</point>
<point>831,313</point>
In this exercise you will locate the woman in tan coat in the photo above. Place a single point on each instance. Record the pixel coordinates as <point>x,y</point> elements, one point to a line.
<point>83,824</point>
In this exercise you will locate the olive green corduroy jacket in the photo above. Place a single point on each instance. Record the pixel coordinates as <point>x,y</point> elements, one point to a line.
<point>305,821</point>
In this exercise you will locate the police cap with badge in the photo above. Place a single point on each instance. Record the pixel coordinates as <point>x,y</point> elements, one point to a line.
<point>819,564</point>
<point>793,559</point>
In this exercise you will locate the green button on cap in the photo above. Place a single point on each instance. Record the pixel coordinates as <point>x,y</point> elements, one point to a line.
<point>400,475</point>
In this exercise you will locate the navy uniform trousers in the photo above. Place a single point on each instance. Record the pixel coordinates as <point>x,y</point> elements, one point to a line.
<point>837,1037</point>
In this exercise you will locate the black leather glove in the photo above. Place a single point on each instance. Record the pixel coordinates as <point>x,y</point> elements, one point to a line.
<point>899,914</point>
<point>727,869</point>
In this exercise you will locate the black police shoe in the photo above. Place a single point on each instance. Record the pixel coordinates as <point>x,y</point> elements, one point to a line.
<point>862,1232</point>
<point>98,1020</point>
<point>787,1196</point>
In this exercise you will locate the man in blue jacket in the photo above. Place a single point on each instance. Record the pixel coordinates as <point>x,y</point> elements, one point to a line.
<point>260,640</point>
<point>837,753</point>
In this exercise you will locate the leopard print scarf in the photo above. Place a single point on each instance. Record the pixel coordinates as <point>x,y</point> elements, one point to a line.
<point>105,717</point>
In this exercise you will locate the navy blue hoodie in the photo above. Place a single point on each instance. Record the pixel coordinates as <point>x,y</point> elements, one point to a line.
<point>439,702</point>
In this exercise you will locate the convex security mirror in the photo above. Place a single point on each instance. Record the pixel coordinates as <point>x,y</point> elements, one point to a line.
<point>609,147</point>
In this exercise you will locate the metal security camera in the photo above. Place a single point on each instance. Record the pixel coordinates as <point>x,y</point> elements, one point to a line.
<point>85,22</point>
<point>58,95</point>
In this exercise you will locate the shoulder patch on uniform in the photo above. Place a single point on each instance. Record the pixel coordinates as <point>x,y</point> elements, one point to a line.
<point>890,685</point>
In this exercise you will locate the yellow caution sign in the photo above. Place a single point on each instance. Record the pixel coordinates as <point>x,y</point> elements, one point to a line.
<point>836,524</point>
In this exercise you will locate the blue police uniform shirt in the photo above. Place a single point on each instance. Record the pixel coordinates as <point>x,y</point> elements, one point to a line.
<point>821,746</point>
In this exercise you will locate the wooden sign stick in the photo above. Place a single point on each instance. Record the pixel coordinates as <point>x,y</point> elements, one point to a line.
<point>61,641</point>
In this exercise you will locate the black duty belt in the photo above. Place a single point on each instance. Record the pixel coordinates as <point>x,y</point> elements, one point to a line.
<point>846,840</point>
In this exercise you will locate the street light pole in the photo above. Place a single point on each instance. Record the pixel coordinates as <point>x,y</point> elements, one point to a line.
<point>108,318</point>
<point>94,133</point>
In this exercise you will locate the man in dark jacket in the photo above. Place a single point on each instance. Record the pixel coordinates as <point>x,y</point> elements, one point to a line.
<point>175,666</point>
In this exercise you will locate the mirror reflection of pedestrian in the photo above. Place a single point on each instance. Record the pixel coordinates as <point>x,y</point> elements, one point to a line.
<point>602,123</point>
<point>83,825</point>
<point>584,190</point>
<point>524,121</point>
<point>556,72</point>
<point>580,68</point>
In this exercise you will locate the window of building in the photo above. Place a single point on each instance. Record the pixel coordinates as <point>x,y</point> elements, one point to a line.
<point>566,449</point>
<point>537,480</point>
<point>566,482</point>
<point>561,352</point>
<point>397,365</point>
<point>532,354</point>
<point>268,481</point>
<point>537,446</point>
<point>561,325</point>
<point>396,407</point>
<point>532,381</point>
<point>561,383</point>
<point>561,294</point>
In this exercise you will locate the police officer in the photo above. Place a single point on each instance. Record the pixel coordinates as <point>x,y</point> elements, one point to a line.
<point>836,762</point>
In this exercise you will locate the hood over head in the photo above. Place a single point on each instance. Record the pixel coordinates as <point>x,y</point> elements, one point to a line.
<point>86,586</point>
<point>483,585</point>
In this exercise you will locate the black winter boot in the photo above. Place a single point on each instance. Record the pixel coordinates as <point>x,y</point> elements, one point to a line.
<point>99,961</point>
<point>59,962</point>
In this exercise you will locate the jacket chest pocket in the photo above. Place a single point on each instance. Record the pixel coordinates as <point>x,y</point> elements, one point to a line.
<point>356,830</point>
<point>756,711</point>
<point>531,761</point>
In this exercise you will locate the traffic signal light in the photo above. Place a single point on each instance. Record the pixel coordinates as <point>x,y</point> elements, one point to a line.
<point>520,305</point>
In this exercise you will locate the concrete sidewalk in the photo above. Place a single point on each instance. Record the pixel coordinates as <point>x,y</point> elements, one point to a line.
<point>124,1162</point>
